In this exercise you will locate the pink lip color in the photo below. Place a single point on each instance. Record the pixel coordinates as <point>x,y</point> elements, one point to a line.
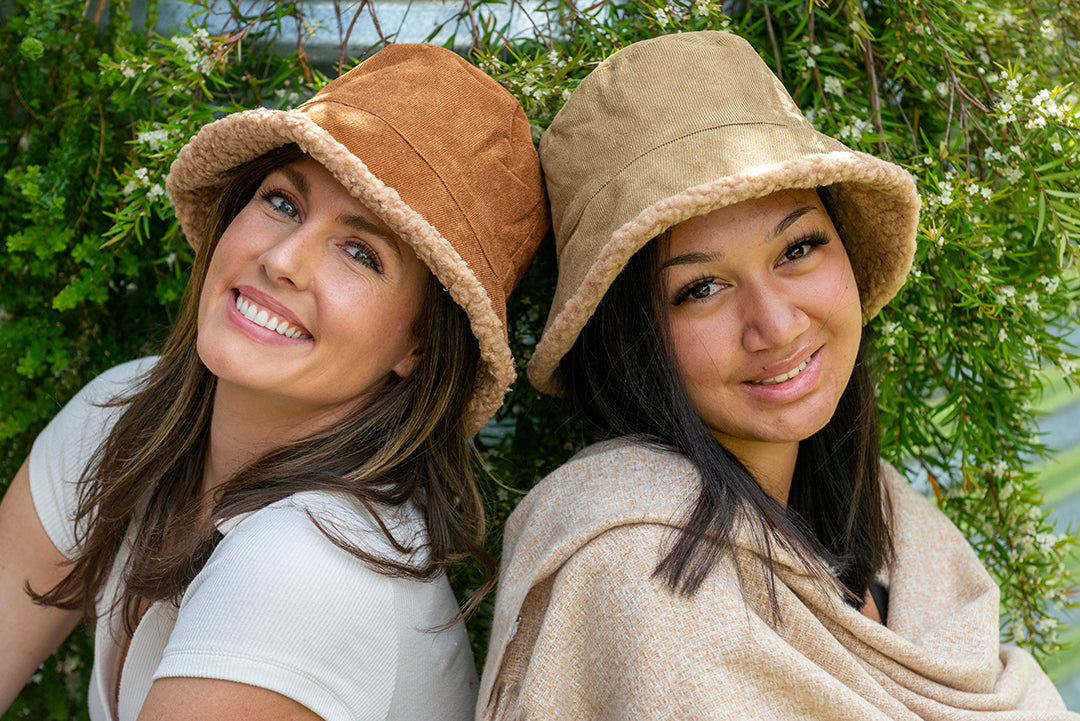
<point>791,389</point>
<point>257,332</point>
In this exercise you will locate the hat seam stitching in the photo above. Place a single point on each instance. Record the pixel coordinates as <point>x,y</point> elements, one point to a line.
<point>653,149</point>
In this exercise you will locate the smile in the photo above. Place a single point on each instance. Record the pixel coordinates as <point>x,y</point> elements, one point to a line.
<point>783,376</point>
<point>262,317</point>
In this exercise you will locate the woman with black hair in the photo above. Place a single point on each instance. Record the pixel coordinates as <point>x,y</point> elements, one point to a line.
<point>733,548</point>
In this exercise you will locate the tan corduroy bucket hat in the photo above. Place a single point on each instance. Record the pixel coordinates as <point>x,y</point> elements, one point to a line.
<point>678,126</point>
<point>437,149</point>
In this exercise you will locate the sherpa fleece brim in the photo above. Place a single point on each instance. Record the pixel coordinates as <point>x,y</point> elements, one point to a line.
<point>199,173</point>
<point>873,204</point>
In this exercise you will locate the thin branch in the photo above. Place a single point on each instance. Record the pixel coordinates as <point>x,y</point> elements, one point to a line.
<point>772,39</point>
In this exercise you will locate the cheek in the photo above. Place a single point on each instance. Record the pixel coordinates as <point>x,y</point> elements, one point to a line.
<point>699,349</point>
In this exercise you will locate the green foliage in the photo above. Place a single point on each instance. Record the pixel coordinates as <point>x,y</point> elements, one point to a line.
<point>972,97</point>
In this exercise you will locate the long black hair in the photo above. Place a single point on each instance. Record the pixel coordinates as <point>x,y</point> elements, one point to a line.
<point>622,379</point>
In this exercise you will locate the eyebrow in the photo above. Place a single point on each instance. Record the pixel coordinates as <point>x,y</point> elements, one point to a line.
<point>357,222</point>
<point>693,258</point>
<point>364,225</point>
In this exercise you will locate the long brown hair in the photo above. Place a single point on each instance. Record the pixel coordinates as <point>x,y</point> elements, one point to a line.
<point>408,445</point>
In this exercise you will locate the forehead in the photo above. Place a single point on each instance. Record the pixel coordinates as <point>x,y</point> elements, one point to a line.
<point>757,218</point>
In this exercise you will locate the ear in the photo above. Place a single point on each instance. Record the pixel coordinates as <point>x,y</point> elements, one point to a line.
<point>408,362</point>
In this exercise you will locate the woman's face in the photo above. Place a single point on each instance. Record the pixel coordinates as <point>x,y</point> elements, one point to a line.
<point>764,318</point>
<point>310,302</point>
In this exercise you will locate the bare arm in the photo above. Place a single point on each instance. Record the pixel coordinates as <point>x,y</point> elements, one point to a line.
<point>28,632</point>
<point>182,699</point>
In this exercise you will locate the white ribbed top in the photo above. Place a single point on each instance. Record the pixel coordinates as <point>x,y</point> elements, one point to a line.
<point>278,605</point>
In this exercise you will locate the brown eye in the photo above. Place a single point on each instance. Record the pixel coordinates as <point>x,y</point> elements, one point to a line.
<point>698,290</point>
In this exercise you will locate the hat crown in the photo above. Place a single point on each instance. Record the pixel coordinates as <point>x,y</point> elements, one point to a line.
<point>659,96</point>
<point>680,125</point>
<point>474,174</point>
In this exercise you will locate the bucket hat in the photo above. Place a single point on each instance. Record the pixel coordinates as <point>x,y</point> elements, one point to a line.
<point>434,147</point>
<point>677,126</point>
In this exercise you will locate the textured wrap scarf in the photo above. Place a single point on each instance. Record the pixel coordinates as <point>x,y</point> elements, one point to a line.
<point>582,629</point>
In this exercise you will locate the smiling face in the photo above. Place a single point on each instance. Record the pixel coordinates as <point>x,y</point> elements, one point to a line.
<point>310,302</point>
<point>764,321</point>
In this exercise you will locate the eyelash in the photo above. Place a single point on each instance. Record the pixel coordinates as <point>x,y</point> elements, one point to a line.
<point>811,240</point>
<point>270,194</point>
<point>373,262</point>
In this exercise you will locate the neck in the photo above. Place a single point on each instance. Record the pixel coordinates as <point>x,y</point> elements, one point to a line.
<point>771,464</point>
<point>245,426</point>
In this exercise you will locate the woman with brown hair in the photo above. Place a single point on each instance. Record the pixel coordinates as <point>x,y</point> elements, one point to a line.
<point>733,547</point>
<point>258,520</point>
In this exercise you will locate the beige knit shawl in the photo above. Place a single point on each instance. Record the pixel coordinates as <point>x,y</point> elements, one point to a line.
<point>583,631</point>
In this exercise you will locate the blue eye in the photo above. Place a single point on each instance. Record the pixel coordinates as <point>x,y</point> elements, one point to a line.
<point>364,255</point>
<point>281,203</point>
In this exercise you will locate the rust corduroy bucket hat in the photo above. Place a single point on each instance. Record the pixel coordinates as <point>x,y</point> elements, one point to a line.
<point>437,149</point>
<point>678,126</point>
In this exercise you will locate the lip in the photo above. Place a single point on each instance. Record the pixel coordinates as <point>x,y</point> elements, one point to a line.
<point>792,388</point>
<point>258,332</point>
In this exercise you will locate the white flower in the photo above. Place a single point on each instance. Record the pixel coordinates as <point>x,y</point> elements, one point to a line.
<point>701,7</point>
<point>997,252</point>
<point>194,48</point>
<point>970,26</point>
<point>810,62</point>
<point>661,16</point>
<point>815,49</point>
<point>154,191</point>
<point>855,130</point>
<point>1032,302</point>
<point>127,70</point>
<point>1068,366</point>
<point>1002,335</point>
<point>129,188</point>
<point>1049,32</point>
<point>1028,340</point>
<point>310,28</point>
<point>841,48</point>
<point>1037,122</point>
<point>154,138</point>
<point>1013,175</point>
<point>142,174</point>
<point>833,85</point>
<point>942,89</point>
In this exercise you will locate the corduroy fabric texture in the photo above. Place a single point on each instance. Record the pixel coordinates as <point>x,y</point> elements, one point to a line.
<point>434,147</point>
<point>583,630</point>
<point>678,126</point>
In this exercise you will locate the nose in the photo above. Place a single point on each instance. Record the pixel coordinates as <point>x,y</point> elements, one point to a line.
<point>288,258</point>
<point>772,317</point>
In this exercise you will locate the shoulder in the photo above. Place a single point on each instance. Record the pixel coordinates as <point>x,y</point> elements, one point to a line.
<point>297,547</point>
<point>63,450</point>
<point>281,605</point>
<point>613,478</point>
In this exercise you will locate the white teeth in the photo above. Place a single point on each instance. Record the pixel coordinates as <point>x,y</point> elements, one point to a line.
<point>783,376</point>
<point>260,316</point>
